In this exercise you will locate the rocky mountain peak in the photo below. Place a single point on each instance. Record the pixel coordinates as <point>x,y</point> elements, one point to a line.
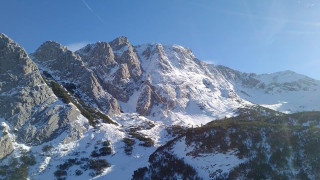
<point>14,61</point>
<point>99,54</point>
<point>119,43</point>
<point>51,50</point>
<point>4,40</point>
<point>55,44</point>
<point>115,64</point>
<point>66,66</point>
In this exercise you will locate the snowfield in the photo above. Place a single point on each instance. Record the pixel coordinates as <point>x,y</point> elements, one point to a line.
<point>122,165</point>
<point>207,165</point>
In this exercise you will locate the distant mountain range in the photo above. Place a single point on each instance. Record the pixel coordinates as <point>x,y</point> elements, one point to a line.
<point>121,111</point>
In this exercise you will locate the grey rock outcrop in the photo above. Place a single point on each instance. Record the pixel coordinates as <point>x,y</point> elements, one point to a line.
<point>150,98</point>
<point>144,103</point>
<point>27,104</point>
<point>6,143</point>
<point>128,56</point>
<point>6,146</point>
<point>116,64</point>
<point>66,66</point>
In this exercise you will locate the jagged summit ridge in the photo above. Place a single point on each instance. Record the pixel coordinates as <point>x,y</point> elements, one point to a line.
<point>115,64</point>
<point>119,43</point>
<point>66,66</point>
<point>159,63</point>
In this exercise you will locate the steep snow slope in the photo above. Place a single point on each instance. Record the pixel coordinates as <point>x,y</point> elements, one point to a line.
<point>181,86</point>
<point>208,165</point>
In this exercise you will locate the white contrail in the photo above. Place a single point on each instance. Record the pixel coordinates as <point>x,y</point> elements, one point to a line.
<point>91,10</point>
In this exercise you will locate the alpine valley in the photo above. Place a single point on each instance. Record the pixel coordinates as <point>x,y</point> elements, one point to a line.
<point>121,111</point>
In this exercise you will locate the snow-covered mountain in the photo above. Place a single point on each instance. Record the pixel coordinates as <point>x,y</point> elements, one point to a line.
<point>102,111</point>
<point>284,91</point>
<point>172,84</point>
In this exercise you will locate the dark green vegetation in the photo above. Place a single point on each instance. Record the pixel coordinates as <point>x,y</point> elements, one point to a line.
<point>145,141</point>
<point>176,130</point>
<point>47,148</point>
<point>60,92</point>
<point>128,145</point>
<point>92,114</point>
<point>18,169</point>
<point>277,147</point>
<point>141,126</point>
<point>273,145</point>
<point>165,166</point>
<point>96,165</point>
<point>102,149</point>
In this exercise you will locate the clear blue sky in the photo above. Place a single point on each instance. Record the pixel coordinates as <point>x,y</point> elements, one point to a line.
<point>247,35</point>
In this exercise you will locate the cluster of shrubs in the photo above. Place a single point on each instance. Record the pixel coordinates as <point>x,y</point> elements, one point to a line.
<point>145,125</point>
<point>95,114</point>
<point>166,166</point>
<point>90,113</point>
<point>97,165</point>
<point>145,141</point>
<point>47,148</point>
<point>102,151</point>
<point>16,169</point>
<point>176,130</point>
<point>60,92</point>
<point>140,174</point>
<point>129,142</point>
<point>272,147</point>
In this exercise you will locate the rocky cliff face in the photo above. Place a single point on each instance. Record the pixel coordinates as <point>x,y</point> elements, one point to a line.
<point>115,64</point>
<point>68,68</point>
<point>28,107</point>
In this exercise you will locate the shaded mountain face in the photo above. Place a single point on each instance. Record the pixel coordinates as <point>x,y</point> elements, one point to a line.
<point>28,108</point>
